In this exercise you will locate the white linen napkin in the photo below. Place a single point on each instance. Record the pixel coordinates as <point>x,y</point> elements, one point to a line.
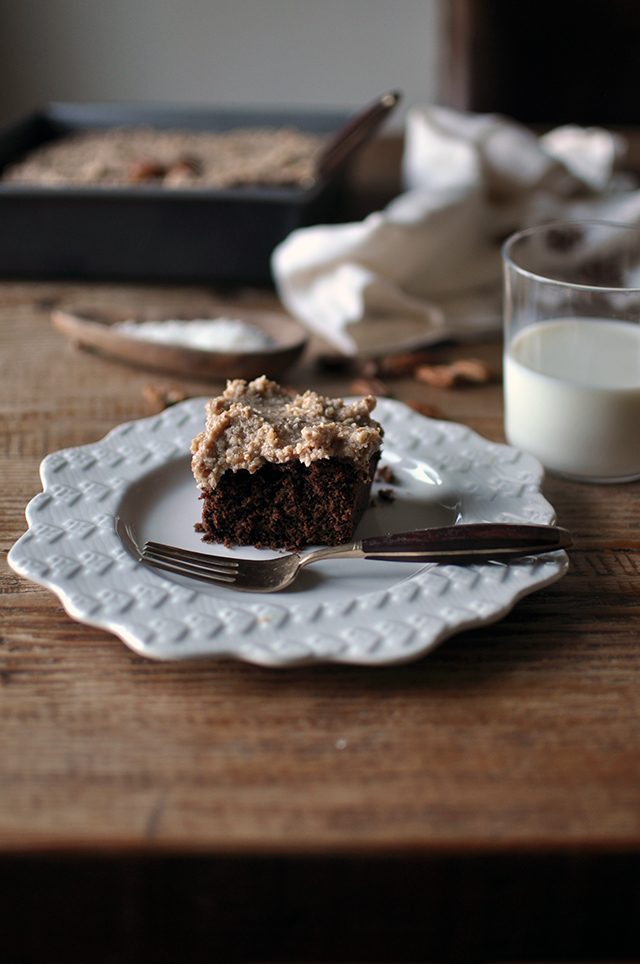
<point>428,266</point>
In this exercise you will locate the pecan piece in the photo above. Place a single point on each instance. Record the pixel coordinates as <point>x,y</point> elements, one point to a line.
<point>437,376</point>
<point>369,386</point>
<point>424,408</point>
<point>159,397</point>
<point>143,171</point>
<point>473,370</point>
<point>465,371</point>
<point>404,363</point>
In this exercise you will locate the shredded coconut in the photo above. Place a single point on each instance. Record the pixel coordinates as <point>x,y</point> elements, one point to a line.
<point>256,422</point>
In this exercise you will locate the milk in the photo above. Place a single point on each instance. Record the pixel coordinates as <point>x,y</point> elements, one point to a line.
<point>572,396</point>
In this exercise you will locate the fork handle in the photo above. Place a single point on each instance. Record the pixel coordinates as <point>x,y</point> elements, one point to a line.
<point>483,540</point>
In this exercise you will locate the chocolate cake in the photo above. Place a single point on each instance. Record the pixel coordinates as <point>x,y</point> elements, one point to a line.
<point>281,470</point>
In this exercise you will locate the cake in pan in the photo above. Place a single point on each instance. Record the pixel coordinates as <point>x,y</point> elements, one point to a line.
<point>121,157</point>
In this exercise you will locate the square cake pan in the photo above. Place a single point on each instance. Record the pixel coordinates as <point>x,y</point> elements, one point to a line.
<point>152,233</point>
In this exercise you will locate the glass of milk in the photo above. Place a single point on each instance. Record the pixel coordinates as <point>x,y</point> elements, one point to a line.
<point>572,348</point>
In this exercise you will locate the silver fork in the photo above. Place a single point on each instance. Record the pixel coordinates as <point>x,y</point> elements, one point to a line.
<point>473,542</point>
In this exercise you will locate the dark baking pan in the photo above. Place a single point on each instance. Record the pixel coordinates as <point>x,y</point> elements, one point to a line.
<point>157,233</point>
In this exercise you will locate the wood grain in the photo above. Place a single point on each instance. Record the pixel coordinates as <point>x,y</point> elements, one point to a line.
<point>521,737</point>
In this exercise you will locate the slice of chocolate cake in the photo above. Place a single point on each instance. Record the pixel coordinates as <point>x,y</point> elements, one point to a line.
<point>282,470</point>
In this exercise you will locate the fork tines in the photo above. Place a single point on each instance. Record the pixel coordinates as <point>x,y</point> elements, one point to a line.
<point>185,562</point>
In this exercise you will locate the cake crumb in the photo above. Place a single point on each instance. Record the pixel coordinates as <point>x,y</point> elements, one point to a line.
<point>386,474</point>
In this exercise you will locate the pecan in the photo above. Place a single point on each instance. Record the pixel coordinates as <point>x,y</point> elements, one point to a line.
<point>404,363</point>
<point>143,171</point>
<point>430,411</point>
<point>473,370</point>
<point>369,386</point>
<point>159,397</point>
<point>438,376</point>
<point>465,371</point>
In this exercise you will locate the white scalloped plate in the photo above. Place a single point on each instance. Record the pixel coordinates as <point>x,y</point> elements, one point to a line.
<point>349,611</point>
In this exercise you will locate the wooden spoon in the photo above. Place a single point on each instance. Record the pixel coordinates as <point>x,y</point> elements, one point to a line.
<point>93,329</point>
<point>354,134</point>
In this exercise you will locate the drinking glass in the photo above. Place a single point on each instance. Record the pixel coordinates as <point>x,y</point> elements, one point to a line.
<point>572,348</point>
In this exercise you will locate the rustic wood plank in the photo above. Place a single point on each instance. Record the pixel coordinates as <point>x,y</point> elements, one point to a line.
<point>521,734</point>
<point>368,811</point>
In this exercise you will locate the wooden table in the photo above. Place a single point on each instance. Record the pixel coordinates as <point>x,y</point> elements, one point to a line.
<point>483,802</point>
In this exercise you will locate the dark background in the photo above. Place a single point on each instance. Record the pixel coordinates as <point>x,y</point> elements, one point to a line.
<point>545,63</point>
